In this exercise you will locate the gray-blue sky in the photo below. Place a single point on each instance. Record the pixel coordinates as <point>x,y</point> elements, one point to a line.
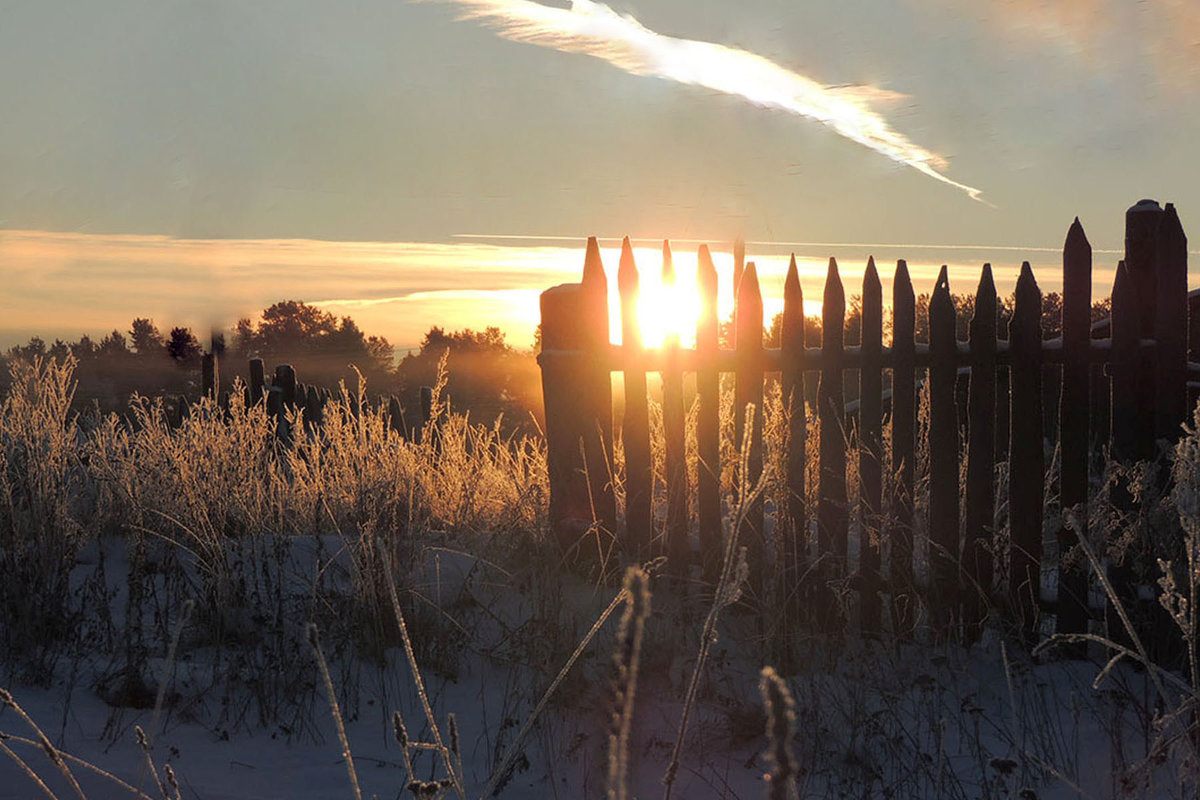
<point>392,121</point>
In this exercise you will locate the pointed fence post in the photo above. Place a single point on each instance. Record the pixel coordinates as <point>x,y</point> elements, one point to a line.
<point>904,422</point>
<point>674,436</point>
<point>1026,459</point>
<point>792,535</point>
<point>1170,327</point>
<point>708,419</point>
<point>598,395</point>
<point>943,456</point>
<point>981,454</point>
<point>748,391</point>
<point>1141,259</point>
<point>395,417</point>
<point>832,533</point>
<point>635,425</point>
<point>1072,603</point>
<point>870,450</point>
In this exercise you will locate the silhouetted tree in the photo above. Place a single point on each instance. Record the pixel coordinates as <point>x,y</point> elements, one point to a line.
<point>146,339</point>
<point>183,346</point>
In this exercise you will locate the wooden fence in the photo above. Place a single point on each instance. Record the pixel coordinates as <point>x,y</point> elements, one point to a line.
<point>285,392</point>
<point>1142,390</point>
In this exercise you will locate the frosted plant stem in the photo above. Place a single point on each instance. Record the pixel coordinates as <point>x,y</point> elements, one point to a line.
<point>728,587</point>
<point>417,679</point>
<point>6,699</point>
<point>79,762</point>
<point>28,770</point>
<point>315,642</point>
<point>511,752</point>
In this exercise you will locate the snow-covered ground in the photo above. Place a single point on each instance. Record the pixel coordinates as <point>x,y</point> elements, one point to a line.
<point>874,720</point>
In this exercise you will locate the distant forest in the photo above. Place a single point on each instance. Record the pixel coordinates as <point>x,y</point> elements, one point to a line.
<point>487,376</point>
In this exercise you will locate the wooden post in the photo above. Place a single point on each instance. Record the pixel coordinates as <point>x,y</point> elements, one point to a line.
<point>314,414</point>
<point>1072,604</point>
<point>563,378</point>
<point>870,450</point>
<point>832,533</point>
<point>1141,259</point>
<point>674,437</point>
<point>1026,458</point>
<point>396,418</point>
<point>1170,327</point>
<point>210,384</point>
<point>739,267</point>
<point>285,379</point>
<point>792,540</point>
<point>597,397</point>
<point>635,425</point>
<point>257,380</point>
<point>943,456</point>
<point>748,391</point>
<point>904,422</point>
<point>981,454</point>
<point>708,419</point>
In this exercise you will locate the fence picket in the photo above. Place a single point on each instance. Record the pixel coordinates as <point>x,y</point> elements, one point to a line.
<point>1170,327</point>
<point>832,539</point>
<point>793,539</point>
<point>635,426</point>
<point>904,423</point>
<point>748,391</point>
<point>598,436</point>
<point>708,419</point>
<point>981,453</point>
<point>943,455</point>
<point>258,380</point>
<point>676,545</point>
<point>1026,459</point>
<point>1072,605</point>
<point>870,449</point>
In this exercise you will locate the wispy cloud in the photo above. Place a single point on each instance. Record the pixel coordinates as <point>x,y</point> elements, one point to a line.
<point>595,29</point>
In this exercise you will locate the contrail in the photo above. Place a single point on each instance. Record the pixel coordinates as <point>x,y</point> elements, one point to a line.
<point>594,29</point>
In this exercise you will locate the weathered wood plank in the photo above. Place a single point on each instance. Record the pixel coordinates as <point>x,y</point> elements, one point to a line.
<point>904,421</point>
<point>1170,327</point>
<point>943,457</point>
<point>676,545</point>
<point>597,398</point>
<point>635,425</point>
<point>792,540</point>
<point>258,380</point>
<point>708,420</point>
<point>748,399</point>
<point>1141,259</point>
<point>1072,606</point>
<point>870,450</point>
<point>1026,458</point>
<point>210,381</point>
<point>832,524</point>
<point>562,380</point>
<point>981,454</point>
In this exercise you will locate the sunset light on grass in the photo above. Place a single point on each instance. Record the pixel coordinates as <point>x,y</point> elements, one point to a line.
<point>548,399</point>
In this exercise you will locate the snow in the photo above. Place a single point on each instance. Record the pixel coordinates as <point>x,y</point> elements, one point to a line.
<point>915,720</point>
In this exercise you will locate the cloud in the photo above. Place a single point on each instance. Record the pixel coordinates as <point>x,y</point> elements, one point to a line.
<point>596,30</point>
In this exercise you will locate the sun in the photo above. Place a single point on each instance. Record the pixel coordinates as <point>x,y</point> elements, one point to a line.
<point>668,307</point>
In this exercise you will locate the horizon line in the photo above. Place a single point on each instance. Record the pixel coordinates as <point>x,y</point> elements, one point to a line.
<point>773,243</point>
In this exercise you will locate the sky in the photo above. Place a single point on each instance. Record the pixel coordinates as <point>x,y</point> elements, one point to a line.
<point>195,161</point>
